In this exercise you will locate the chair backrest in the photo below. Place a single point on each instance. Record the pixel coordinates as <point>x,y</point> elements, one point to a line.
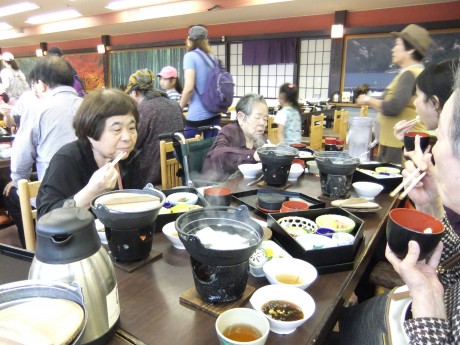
<point>344,127</point>
<point>364,110</point>
<point>337,118</point>
<point>316,132</point>
<point>272,130</point>
<point>26,191</point>
<point>169,164</point>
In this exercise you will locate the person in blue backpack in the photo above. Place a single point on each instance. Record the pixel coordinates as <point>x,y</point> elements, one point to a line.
<point>196,73</point>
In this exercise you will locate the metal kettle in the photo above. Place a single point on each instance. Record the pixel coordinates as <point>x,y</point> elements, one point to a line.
<point>68,249</point>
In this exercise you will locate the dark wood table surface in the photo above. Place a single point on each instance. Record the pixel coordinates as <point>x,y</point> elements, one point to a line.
<point>149,297</point>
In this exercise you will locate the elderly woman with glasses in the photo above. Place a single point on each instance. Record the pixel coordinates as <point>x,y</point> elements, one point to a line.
<point>237,143</point>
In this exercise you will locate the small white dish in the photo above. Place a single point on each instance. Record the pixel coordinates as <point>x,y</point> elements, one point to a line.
<point>367,190</point>
<point>170,232</point>
<point>291,294</point>
<point>182,198</point>
<point>290,271</point>
<point>250,170</point>
<point>273,251</point>
<point>343,239</point>
<point>295,171</point>
<point>314,241</point>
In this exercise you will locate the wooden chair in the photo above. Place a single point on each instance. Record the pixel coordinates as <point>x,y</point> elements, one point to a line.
<point>169,164</point>
<point>316,132</point>
<point>26,191</point>
<point>272,130</point>
<point>364,110</point>
<point>337,118</point>
<point>343,127</point>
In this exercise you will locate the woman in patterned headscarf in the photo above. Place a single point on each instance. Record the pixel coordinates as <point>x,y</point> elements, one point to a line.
<point>157,114</point>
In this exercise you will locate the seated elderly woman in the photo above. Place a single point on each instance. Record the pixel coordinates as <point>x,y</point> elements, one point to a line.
<point>105,125</point>
<point>435,297</point>
<point>237,143</point>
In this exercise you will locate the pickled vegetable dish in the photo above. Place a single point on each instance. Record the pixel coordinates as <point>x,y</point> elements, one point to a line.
<point>282,310</point>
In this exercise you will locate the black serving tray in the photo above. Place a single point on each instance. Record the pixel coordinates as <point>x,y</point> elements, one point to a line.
<point>389,182</point>
<point>250,199</point>
<point>14,263</point>
<point>327,259</point>
<point>163,219</point>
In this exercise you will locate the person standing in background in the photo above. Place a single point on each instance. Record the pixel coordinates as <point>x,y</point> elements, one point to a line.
<point>196,72</point>
<point>288,118</point>
<point>77,82</point>
<point>13,80</point>
<point>411,46</point>
<point>157,114</point>
<point>170,82</point>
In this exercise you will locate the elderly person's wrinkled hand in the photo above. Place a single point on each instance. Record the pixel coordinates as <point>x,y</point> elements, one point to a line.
<point>402,127</point>
<point>7,189</point>
<point>422,280</point>
<point>103,179</point>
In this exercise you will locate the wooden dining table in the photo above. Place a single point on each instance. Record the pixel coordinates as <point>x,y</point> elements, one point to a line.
<point>151,312</point>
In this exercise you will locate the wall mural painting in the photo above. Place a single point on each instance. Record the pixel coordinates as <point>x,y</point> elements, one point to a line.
<point>125,63</point>
<point>89,67</point>
<point>368,58</point>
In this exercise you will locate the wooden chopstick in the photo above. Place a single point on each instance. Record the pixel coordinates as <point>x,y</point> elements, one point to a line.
<point>117,159</point>
<point>404,182</point>
<point>413,121</point>
<point>412,185</point>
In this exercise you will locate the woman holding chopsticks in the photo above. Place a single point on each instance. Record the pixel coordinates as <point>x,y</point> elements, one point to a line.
<point>101,159</point>
<point>435,296</point>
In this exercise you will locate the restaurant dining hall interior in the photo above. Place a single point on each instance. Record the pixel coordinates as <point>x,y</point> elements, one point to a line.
<point>229,172</point>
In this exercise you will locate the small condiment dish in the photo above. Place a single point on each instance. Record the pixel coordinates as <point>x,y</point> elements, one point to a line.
<point>291,294</point>
<point>312,167</point>
<point>290,271</point>
<point>295,171</point>
<point>336,222</point>
<point>367,190</point>
<point>182,198</point>
<point>250,170</point>
<point>170,232</point>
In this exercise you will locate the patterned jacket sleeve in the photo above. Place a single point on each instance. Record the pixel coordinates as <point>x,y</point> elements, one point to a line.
<point>440,331</point>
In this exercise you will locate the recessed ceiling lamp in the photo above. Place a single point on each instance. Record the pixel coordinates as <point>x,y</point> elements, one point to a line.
<point>17,8</point>
<point>53,17</point>
<point>5,26</point>
<point>124,4</point>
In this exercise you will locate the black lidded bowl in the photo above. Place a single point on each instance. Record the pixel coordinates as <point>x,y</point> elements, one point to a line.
<point>405,224</point>
<point>230,219</point>
<point>128,220</point>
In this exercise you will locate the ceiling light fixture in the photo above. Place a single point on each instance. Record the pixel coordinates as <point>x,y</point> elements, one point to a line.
<point>125,4</point>
<point>17,8</point>
<point>5,26</point>
<point>53,17</point>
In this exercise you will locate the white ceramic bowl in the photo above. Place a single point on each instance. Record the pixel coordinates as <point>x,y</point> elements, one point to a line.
<point>250,170</point>
<point>170,232</point>
<point>312,167</point>
<point>284,293</point>
<point>295,171</point>
<point>182,198</point>
<point>368,190</point>
<point>290,271</point>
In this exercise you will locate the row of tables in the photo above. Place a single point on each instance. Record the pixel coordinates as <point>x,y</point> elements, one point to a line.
<point>149,297</point>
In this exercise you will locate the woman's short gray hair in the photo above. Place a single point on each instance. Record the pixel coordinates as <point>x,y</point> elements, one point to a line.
<point>246,103</point>
<point>455,125</point>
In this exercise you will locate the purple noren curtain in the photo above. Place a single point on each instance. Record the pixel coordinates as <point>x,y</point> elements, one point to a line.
<point>269,52</point>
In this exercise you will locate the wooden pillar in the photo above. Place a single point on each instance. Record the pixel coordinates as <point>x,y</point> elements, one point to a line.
<point>337,55</point>
<point>105,39</point>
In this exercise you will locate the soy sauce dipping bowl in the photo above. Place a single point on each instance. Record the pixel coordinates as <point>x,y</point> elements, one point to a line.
<point>286,293</point>
<point>405,224</point>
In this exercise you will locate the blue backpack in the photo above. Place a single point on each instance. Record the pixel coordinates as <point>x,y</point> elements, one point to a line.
<point>218,94</point>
